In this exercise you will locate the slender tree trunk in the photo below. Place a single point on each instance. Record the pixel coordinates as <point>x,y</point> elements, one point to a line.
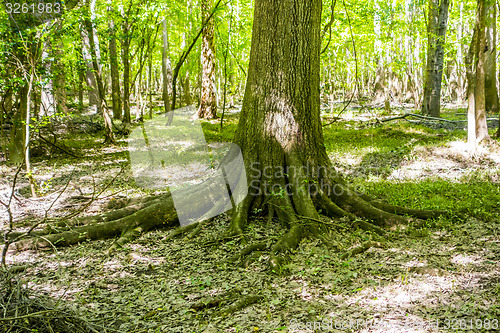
<point>436,29</point>
<point>27,122</point>
<point>47,105</point>
<point>461,79</point>
<point>109,137</point>
<point>490,63</point>
<point>150,85</point>
<point>479,94</point>
<point>166,69</point>
<point>115,73</point>
<point>186,88</point>
<point>81,77</point>
<point>89,74</point>
<point>126,71</point>
<point>208,103</point>
<point>380,77</point>
<point>18,130</point>
<point>60,80</point>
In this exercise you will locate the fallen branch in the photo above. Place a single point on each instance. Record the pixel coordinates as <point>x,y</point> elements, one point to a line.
<point>406,115</point>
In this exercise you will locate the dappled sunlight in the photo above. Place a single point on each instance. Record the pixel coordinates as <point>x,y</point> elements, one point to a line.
<point>465,259</point>
<point>450,161</point>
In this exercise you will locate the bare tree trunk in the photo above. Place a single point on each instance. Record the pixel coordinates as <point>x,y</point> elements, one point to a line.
<point>81,77</point>
<point>109,137</point>
<point>47,105</point>
<point>187,89</point>
<point>115,73</point>
<point>150,85</point>
<point>60,80</point>
<point>479,94</point>
<point>89,74</point>
<point>166,69</point>
<point>125,42</point>
<point>471,111</point>
<point>18,131</point>
<point>490,63</point>
<point>436,29</point>
<point>461,80</point>
<point>380,77</point>
<point>208,103</point>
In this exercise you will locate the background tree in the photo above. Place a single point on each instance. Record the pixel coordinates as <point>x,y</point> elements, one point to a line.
<point>208,100</point>
<point>113,60</point>
<point>436,30</point>
<point>490,62</point>
<point>166,68</point>
<point>480,59</point>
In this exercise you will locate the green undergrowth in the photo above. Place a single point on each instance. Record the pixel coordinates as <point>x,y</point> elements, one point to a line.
<point>213,132</point>
<point>473,195</point>
<point>349,138</point>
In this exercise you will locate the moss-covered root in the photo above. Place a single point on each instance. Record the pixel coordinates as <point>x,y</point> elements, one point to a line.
<point>160,214</point>
<point>287,242</point>
<point>361,248</point>
<point>239,219</point>
<point>261,246</point>
<point>324,203</point>
<point>239,305</point>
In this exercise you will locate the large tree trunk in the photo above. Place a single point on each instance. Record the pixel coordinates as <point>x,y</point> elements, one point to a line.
<point>490,62</point>
<point>208,103</point>
<point>436,29</point>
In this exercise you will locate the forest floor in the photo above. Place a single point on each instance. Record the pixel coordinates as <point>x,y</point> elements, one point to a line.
<point>442,277</point>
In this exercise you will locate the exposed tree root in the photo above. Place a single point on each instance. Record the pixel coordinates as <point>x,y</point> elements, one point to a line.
<point>296,208</point>
<point>239,305</point>
<point>155,214</point>
<point>248,250</point>
<point>208,303</point>
<point>362,248</point>
<point>181,231</point>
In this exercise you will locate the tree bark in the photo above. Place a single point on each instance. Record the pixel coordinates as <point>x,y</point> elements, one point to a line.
<point>109,137</point>
<point>18,131</point>
<point>436,29</point>
<point>208,103</point>
<point>490,63</point>
<point>479,93</point>
<point>47,101</point>
<point>89,74</point>
<point>59,70</point>
<point>380,77</point>
<point>166,69</point>
<point>125,42</point>
<point>115,73</point>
